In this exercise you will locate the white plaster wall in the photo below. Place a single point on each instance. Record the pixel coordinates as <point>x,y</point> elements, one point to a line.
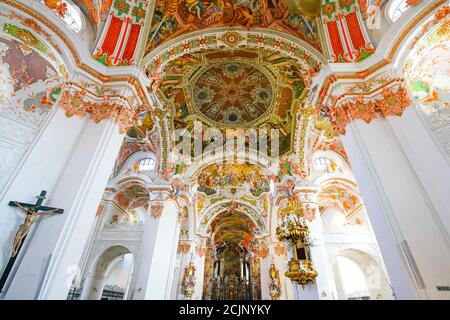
<point>121,272</point>
<point>72,161</point>
<point>156,258</point>
<point>399,208</point>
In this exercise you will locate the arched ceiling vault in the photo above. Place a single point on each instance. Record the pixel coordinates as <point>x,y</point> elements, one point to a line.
<point>228,215</point>
<point>213,210</point>
<point>172,18</point>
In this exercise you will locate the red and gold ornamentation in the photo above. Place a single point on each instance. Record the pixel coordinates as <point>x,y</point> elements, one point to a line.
<point>344,31</point>
<point>390,102</point>
<point>118,43</point>
<point>59,6</point>
<point>77,104</point>
<point>263,252</point>
<point>440,14</point>
<point>188,282</point>
<point>393,103</point>
<point>280,249</point>
<point>275,282</point>
<point>201,251</point>
<point>183,247</point>
<point>156,210</point>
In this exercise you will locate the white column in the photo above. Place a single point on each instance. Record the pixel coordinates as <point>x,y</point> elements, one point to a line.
<point>310,291</point>
<point>324,286</point>
<point>281,263</point>
<point>199,276</point>
<point>428,160</point>
<point>325,281</point>
<point>72,161</point>
<point>93,288</point>
<point>184,259</point>
<point>155,263</point>
<point>102,216</point>
<point>340,290</point>
<point>405,219</point>
<point>264,265</point>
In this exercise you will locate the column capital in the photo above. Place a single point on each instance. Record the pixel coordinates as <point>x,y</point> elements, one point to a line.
<point>159,193</point>
<point>381,95</point>
<point>100,102</point>
<point>307,194</point>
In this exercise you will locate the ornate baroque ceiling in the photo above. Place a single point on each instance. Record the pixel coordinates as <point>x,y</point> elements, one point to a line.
<point>226,63</point>
<point>173,18</point>
<point>231,93</point>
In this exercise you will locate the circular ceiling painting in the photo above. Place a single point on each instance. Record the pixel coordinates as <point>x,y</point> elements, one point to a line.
<point>232,93</point>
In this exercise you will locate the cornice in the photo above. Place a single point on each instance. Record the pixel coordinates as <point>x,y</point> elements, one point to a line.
<point>386,55</point>
<point>77,57</point>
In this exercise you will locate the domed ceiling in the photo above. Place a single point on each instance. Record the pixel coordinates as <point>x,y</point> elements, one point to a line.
<point>232,93</point>
<point>235,88</point>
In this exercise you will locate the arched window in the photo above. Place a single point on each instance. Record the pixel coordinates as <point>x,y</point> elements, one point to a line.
<point>147,164</point>
<point>67,11</point>
<point>397,8</point>
<point>322,163</point>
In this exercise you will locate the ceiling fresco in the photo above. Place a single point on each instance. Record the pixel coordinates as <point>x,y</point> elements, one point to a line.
<point>232,227</point>
<point>234,177</point>
<point>346,198</point>
<point>237,89</point>
<point>30,82</point>
<point>176,17</point>
<point>132,195</point>
<point>97,10</point>
<point>232,93</point>
<point>426,69</point>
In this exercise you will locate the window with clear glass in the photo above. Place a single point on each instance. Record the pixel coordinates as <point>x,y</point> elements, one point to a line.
<point>322,163</point>
<point>147,164</point>
<point>397,8</point>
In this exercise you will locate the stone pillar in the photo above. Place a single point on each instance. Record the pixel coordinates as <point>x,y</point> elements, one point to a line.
<point>389,158</point>
<point>185,253</point>
<point>340,290</point>
<point>72,160</point>
<point>156,256</point>
<point>199,261</point>
<point>325,282</point>
<point>93,287</point>
<point>281,254</point>
<point>427,159</point>
<point>95,281</point>
<point>264,263</point>
<point>103,215</point>
<point>278,255</point>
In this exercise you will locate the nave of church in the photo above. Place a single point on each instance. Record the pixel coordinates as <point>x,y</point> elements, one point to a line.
<point>225,149</point>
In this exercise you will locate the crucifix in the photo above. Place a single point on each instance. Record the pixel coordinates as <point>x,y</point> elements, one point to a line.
<point>32,211</point>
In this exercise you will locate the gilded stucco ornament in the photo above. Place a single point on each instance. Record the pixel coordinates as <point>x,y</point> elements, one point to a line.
<point>188,282</point>
<point>275,283</point>
<point>294,230</point>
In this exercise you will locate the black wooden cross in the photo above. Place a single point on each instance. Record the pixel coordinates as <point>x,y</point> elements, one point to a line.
<point>32,211</point>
